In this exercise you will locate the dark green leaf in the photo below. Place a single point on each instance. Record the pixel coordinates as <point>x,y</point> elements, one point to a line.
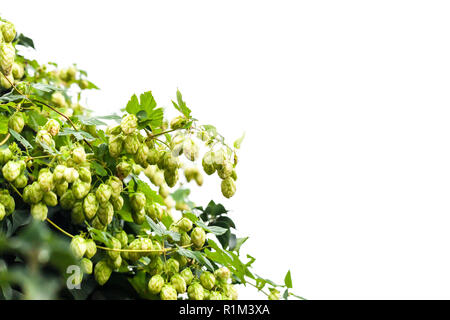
<point>288,280</point>
<point>21,139</point>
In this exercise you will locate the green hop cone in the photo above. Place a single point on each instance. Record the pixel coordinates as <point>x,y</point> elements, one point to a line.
<point>5,155</point>
<point>190,149</point>
<point>208,163</point>
<point>45,180</point>
<point>122,237</point>
<point>39,211</point>
<point>156,266</point>
<point>123,169</point>
<point>141,155</point>
<point>105,213</point>
<point>129,124</point>
<point>17,71</point>
<point>6,81</point>
<point>79,155</point>
<point>58,173</point>
<point>172,266</point>
<point>85,175</point>
<point>164,190</point>
<point>33,193</point>
<point>86,266</point>
<point>196,291</point>
<point>168,292</point>
<point>59,99</point>
<point>7,56</point>
<point>198,237</point>
<point>274,294</point>
<point>78,246</point>
<point>185,224</point>
<point>207,279</point>
<point>153,212</point>
<point>155,284</point>
<point>228,187</point>
<point>90,205</point>
<point>138,201</point>
<point>115,244</point>
<point>52,126</point>
<point>16,122</point>
<point>187,275</point>
<point>7,201</point>
<point>77,214</point>
<point>115,146</point>
<point>178,282</point>
<point>171,177</point>
<point>116,263</point>
<point>67,200</point>
<point>222,274</point>
<point>185,240</point>
<point>71,175</point>
<point>43,137</point>
<point>8,31</point>
<point>11,170</point>
<point>178,122</point>
<point>103,193</point>
<point>152,156</point>
<point>116,186</point>
<point>117,202</point>
<point>131,143</point>
<point>138,216</point>
<point>80,189</point>
<point>225,170</point>
<point>102,272</point>
<point>61,188</point>
<point>50,199</point>
<point>230,292</point>
<point>2,212</point>
<point>214,295</point>
<point>91,248</point>
<point>21,181</point>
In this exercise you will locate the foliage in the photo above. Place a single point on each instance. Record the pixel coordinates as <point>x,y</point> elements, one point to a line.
<point>104,193</point>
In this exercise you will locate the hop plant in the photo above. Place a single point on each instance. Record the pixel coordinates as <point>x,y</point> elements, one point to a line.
<point>8,31</point>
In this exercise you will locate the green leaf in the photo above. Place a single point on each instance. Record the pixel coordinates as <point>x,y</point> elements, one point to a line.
<point>238,142</point>
<point>161,231</point>
<point>239,243</point>
<point>288,280</point>
<point>21,139</point>
<point>98,168</point>
<point>133,105</point>
<point>149,115</point>
<point>182,105</point>
<point>35,119</point>
<point>79,135</point>
<point>3,124</point>
<point>45,87</point>
<point>213,229</point>
<point>197,255</point>
<point>23,40</point>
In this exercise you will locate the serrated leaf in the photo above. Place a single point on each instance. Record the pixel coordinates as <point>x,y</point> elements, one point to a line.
<point>197,255</point>
<point>23,40</point>
<point>45,87</point>
<point>133,105</point>
<point>213,229</point>
<point>182,105</point>
<point>21,139</point>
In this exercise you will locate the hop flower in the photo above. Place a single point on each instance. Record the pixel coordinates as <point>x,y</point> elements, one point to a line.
<point>164,190</point>
<point>187,275</point>
<point>77,214</point>
<point>152,156</point>
<point>193,173</point>
<point>178,122</point>
<point>178,283</point>
<point>45,180</point>
<point>86,266</point>
<point>6,81</point>
<point>91,248</point>
<point>155,284</point>
<point>222,274</point>
<point>122,237</point>
<point>33,193</point>
<point>7,201</point>
<point>52,126</point>
<point>138,216</point>
<point>168,292</point>
<point>39,211</point>
<point>71,175</point>
<point>58,99</point>
<point>102,272</point>
<point>43,137</point>
<point>190,149</point>
<point>2,212</point>
<point>58,173</point>
<point>61,188</point>
<point>185,224</point>
<point>141,155</point>
<point>171,177</point>
<point>16,122</point>
<point>115,146</point>
<point>78,246</point>
<point>153,212</point>
<point>5,155</point>
<point>123,169</point>
<point>105,213</point>
<point>172,266</point>
<point>131,144</point>
<point>17,71</point>
<point>198,237</point>
<point>7,56</point>
<point>196,291</point>
<point>156,266</point>
<point>8,31</point>
<point>230,292</point>
<point>11,170</point>
<point>79,155</point>
<point>138,201</point>
<point>225,170</point>
<point>21,181</point>
<point>117,202</point>
<point>129,124</point>
<point>228,187</point>
<point>208,163</point>
<point>115,244</point>
<point>103,193</point>
<point>214,295</point>
<point>116,186</point>
<point>50,198</point>
<point>185,239</point>
<point>85,175</point>
<point>207,280</point>
<point>67,201</point>
<point>80,189</point>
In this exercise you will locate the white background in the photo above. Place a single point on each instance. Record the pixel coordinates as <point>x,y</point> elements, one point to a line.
<point>344,174</point>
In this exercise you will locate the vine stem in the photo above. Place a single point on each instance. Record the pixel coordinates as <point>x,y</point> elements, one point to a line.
<point>112,249</point>
<point>6,139</point>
